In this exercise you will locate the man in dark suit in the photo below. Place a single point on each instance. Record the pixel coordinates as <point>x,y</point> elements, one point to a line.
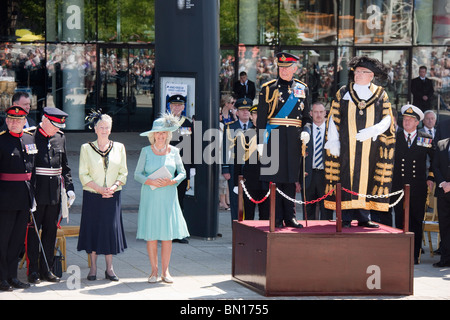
<point>314,164</point>
<point>244,88</point>
<point>412,148</point>
<point>422,90</point>
<point>243,123</point>
<point>441,168</point>
<point>22,99</point>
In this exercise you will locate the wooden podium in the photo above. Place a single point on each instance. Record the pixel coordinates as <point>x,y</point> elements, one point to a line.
<point>322,259</point>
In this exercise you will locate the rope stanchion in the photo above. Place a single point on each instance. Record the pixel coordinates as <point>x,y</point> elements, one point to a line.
<point>338,208</point>
<point>272,189</point>
<point>406,209</point>
<point>240,199</point>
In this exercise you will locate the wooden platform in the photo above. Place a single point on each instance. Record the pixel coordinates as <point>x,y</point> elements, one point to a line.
<point>317,260</point>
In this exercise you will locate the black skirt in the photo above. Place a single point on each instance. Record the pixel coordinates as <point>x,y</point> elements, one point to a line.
<point>101,226</point>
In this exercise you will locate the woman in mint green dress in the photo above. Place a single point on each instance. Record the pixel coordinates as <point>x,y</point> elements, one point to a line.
<point>160,216</point>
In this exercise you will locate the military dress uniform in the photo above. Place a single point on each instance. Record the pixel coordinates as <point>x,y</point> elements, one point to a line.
<point>411,168</point>
<point>284,106</point>
<point>53,175</point>
<point>17,152</point>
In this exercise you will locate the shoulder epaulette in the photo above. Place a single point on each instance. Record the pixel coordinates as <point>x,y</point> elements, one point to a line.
<point>60,132</point>
<point>268,82</point>
<point>2,132</point>
<point>29,130</point>
<point>301,82</point>
<point>231,122</point>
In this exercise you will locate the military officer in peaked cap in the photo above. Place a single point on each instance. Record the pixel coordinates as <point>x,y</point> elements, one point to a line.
<point>17,152</point>
<point>53,181</point>
<point>411,150</point>
<point>229,145</point>
<point>284,106</point>
<point>177,105</point>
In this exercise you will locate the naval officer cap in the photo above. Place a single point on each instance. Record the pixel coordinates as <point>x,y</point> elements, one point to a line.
<point>16,112</point>
<point>243,103</point>
<point>177,99</point>
<point>412,111</point>
<point>56,116</point>
<point>285,59</point>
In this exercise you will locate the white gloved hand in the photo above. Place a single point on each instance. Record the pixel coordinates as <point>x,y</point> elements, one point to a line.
<point>304,136</point>
<point>334,147</point>
<point>375,130</point>
<point>236,190</point>
<point>71,199</point>
<point>260,148</point>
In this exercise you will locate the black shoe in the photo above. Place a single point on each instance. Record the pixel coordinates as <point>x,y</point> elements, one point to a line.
<point>368,224</point>
<point>279,224</point>
<point>437,251</point>
<point>50,277</point>
<point>16,283</point>
<point>186,241</point>
<point>34,278</point>
<point>112,278</point>
<point>92,278</point>
<point>346,224</point>
<point>293,223</point>
<point>441,264</point>
<point>4,286</point>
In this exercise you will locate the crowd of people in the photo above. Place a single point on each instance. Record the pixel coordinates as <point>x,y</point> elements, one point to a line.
<point>359,144</point>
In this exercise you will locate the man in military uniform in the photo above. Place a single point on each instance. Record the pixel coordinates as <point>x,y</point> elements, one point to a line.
<point>17,152</point>
<point>411,150</point>
<point>284,106</point>
<point>53,176</point>
<point>177,104</point>
<point>230,152</point>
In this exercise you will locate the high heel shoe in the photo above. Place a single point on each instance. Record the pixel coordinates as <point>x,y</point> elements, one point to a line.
<point>112,278</point>
<point>167,279</point>
<point>92,277</point>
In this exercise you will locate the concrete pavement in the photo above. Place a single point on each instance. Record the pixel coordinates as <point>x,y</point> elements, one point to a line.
<point>201,269</point>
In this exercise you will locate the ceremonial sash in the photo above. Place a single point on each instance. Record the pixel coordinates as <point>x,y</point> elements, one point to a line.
<point>15,176</point>
<point>283,113</point>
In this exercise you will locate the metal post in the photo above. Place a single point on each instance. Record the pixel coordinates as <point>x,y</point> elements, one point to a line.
<point>273,190</point>
<point>406,209</point>
<point>338,208</point>
<point>240,199</point>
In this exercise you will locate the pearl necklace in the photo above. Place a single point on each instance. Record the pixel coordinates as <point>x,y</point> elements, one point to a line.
<point>160,150</point>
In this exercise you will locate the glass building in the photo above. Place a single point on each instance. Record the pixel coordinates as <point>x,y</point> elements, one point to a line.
<point>83,54</point>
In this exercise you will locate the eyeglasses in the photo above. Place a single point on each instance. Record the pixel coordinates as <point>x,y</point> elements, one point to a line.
<point>363,72</point>
<point>232,102</point>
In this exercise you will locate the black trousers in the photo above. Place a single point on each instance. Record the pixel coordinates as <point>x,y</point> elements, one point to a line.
<point>13,226</point>
<point>443,204</point>
<point>315,190</point>
<point>47,220</point>
<point>250,207</point>
<point>284,208</point>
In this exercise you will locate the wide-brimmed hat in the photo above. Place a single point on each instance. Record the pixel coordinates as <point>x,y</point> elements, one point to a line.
<point>376,66</point>
<point>167,122</point>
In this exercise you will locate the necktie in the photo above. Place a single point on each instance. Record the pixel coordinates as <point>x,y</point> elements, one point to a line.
<point>318,162</point>
<point>409,140</point>
<point>430,132</point>
<point>245,126</point>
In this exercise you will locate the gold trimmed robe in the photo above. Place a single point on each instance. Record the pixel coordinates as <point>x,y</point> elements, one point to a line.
<point>363,167</point>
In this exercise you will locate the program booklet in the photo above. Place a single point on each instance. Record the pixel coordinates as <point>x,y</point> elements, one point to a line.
<point>162,172</point>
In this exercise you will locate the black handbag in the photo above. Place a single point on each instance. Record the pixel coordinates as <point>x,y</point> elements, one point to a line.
<point>57,264</point>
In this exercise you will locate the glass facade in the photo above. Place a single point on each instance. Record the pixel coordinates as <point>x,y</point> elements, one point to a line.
<point>83,54</point>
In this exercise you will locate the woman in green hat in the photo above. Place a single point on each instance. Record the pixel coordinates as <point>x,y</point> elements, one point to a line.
<point>160,216</point>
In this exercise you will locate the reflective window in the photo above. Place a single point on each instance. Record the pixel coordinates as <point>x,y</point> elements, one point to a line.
<point>383,22</point>
<point>259,64</point>
<point>306,22</point>
<point>22,68</point>
<point>398,78</point>
<point>434,30</point>
<point>437,61</point>
<point>258,22</point>
<point>22,21</point>
<point>70,20</point>
<point>71,72</point>
<point>126,20</point>
<point>228,21</point>
<point>316,69</point>
<point>226,73</point>
<point>346,22</point>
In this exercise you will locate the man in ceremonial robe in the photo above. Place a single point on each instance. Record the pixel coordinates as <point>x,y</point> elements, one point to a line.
<point>284,107</point>
<point>360,143</point>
